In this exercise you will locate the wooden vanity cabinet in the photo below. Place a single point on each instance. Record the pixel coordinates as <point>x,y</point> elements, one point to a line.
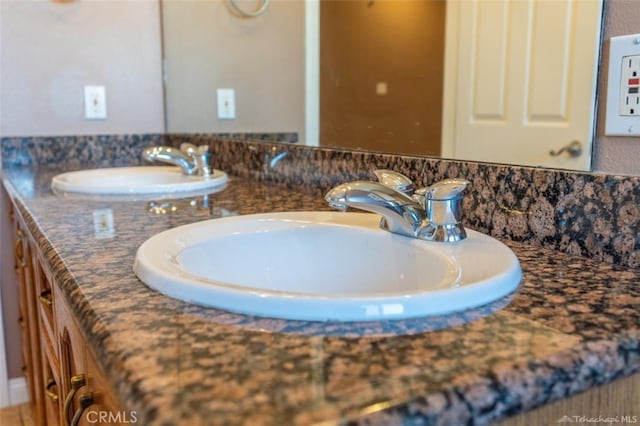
<point>28,315</point>
<point>66,385</point>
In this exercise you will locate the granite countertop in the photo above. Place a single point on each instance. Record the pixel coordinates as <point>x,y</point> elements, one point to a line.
<point>572,324</point>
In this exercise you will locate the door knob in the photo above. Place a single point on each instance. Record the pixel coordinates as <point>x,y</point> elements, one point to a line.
<point>574,149</point>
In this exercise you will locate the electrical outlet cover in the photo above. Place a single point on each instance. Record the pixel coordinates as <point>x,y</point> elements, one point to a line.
<point>629,86</point>
<point>624,58</point>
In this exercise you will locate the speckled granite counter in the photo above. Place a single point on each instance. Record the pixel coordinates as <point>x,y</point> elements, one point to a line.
<point>573,324</point>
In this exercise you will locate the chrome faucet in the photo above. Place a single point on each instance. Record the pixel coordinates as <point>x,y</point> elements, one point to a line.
<point>432,213</point>
<point>193,160</point>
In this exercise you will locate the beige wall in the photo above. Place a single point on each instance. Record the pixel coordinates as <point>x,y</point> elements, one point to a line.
<point>614,154</point>
<point>207,47</point>
<point>49,50</point>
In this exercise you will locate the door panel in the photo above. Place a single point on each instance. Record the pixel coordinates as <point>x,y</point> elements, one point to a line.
<point>521,80</point>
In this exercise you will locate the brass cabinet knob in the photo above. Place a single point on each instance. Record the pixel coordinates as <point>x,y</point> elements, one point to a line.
<point>18,249</point>
<point>45,297</point>
<point>47,390</point>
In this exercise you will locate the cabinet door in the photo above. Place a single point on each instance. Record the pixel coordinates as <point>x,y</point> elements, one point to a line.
<point>44,291</point>
<point>73,367</point>
<point>23,309</point>
<point>88,399</point>
<point>52,390</point>
<point>105,410</point>
<point>29,319</point>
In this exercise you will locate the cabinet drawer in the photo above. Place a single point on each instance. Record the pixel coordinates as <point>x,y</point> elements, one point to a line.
<point>52,391</point>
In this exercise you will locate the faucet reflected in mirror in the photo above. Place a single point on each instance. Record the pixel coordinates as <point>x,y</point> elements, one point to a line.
<point>192,160</point>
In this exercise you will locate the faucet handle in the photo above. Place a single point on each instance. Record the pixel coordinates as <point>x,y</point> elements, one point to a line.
<point>203,148</point>
<point>447,189</point>
<point>192,150</point>
<point>200,155</point>
<point>395,180</point>
<point>188,148</point>
<point>443,208</point>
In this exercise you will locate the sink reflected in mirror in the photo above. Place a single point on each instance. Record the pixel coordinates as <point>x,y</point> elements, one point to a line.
<point>145,180</point>
<point>324,266</point>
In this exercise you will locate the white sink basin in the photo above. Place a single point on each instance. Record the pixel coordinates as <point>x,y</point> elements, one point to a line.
<point>323,266</point>
<point>135,180</point>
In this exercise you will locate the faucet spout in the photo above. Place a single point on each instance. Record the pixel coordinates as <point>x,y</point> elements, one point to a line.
<point>401,214</point>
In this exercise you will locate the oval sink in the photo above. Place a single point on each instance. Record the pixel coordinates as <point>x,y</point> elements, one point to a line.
<point>135,180</point>
<point>323,266</point>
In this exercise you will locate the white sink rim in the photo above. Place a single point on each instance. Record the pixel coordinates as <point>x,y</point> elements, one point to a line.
<point>113,181</point>
<point>177,284</point>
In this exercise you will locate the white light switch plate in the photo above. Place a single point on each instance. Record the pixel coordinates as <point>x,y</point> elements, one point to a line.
<point>624,53</point>
<point>226,104</point>
<point>95,103</point>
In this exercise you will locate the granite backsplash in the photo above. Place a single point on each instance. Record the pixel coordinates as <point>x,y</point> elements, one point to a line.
<point>588,214</point>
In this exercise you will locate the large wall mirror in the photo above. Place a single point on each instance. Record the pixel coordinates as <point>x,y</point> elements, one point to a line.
<point>490,80</point>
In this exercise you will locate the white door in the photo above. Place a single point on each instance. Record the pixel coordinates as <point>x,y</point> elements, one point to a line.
<point>520,79</point>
